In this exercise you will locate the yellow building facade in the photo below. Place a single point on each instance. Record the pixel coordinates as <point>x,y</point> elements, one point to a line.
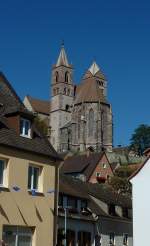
<point>28,176</point>
<point>18,206</point>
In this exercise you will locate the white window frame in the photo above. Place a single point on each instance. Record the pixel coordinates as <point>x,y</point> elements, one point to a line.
<point>125,235</point>
<point>111,240</point>
<point>32,178</point>
<point>4,177</point>
<point>104,165</point>
<point>17,234</point>
<point>23,134</point>
<point>98,174</point>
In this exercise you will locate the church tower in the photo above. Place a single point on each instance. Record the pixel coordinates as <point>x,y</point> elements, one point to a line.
<point>62,92</point>
<point>92,115</point>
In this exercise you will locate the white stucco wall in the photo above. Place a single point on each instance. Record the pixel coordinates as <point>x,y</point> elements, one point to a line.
<point>141,206</point>
<point>118,227</point>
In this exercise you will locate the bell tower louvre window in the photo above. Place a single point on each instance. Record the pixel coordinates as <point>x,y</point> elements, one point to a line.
<point>56,77</point>
<point>66,77</point>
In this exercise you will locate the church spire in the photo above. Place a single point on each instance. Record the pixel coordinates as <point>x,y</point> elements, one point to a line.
<point>94,68</point>
<point>62,59</point>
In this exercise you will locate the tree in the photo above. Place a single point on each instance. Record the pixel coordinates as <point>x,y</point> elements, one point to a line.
<point>120,185</point>
<point>140,139</point>
<point>125,171</point>
<point>41,125</point>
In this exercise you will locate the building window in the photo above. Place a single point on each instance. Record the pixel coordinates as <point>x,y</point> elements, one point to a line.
<point>100,83</point>
<point>83,204</point>
<point>98,174</point>
<point>17,235</point>
<point>60,202</point>
<point>64,91</point>
<point>72,202</point>
<point>25,128</point>
<point>125,212</point>
<point>33,178</point>
<point>112,210</point>
<point>98,240</point>
<point>70,237</point>
<point>2,172</point>
<point>56,76</point>
<point>112,238</point>
<point>125,239</point>
<point>67,107</point>
<point>79,122</point>
<point>104,165</point>
<point>84,238</point>
<point>66,77</point>
<point>68,93</point>
<point>91,122</point>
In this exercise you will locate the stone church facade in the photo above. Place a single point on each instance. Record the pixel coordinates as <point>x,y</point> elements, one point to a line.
<point>80,115</point>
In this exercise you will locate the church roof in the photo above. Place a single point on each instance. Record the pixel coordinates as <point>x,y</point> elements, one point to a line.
<point>94,70</point>
<point>89,90</point>
<point>62,59</point>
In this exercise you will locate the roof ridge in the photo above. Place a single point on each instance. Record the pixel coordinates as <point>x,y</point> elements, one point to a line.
<point>11,88</point>
<point>35,98</point>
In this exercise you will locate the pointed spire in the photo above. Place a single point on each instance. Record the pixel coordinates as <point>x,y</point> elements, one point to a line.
<point>94,68</point>
<point>62,59</point>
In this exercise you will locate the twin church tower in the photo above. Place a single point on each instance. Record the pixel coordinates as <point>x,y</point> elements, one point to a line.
<point>80,115</point>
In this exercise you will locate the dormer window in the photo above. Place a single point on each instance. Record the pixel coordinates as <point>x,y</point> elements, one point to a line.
<point>25,128</point>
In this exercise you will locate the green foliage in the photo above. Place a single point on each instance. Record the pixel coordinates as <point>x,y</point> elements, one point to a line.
<point>41,125</point>
<point>140,139</point>
<point>120,185</point>
<point>124,171</point>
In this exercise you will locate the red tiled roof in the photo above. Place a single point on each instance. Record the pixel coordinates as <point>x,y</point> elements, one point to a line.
<point>39,106</point>
<point>147,151</point>
<point>81,164</point>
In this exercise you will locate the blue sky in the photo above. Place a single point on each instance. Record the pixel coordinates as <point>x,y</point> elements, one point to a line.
<point>114,33</point>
